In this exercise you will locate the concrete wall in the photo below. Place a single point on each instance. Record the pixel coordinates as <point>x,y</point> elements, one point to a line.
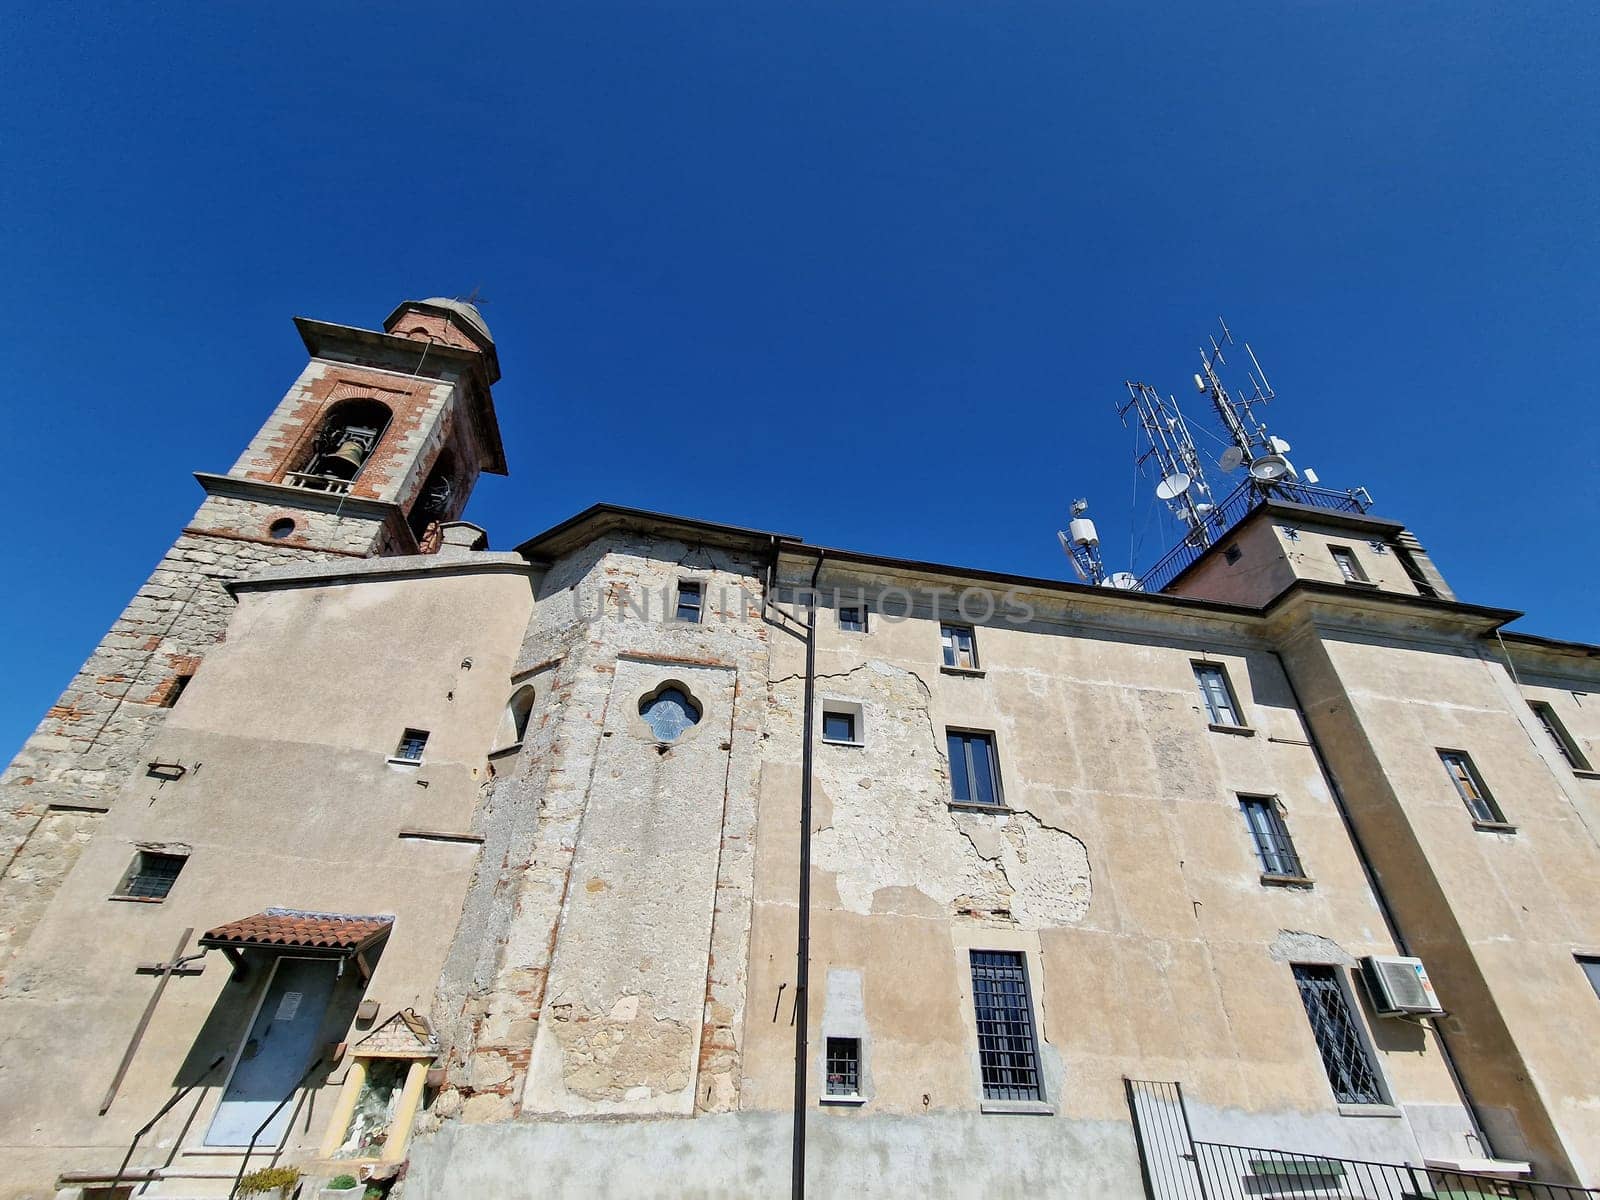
<point>1498,914</point>
<point>287,800</point>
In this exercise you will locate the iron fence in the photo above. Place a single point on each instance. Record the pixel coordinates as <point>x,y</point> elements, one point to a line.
<point>1240,503</point>
<point>1258,1173</point>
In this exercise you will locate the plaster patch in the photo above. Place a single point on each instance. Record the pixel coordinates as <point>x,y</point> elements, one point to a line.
<point>1296,945</point>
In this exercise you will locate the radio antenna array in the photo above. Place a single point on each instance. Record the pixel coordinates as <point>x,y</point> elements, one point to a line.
<point>1253,447</point>
<point>1171,458</point>
<point>1082,544</point>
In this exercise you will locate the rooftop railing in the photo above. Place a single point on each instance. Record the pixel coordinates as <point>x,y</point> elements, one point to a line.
<point>1241,502</point>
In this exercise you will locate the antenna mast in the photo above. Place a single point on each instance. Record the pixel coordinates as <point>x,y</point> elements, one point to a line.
<point>1253,446</point>
<point>1082,544</point>
<point>1171,457</point>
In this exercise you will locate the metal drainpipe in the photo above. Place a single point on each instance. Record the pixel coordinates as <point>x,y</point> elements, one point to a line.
<point>1389,918</point>
<point>803,949</point>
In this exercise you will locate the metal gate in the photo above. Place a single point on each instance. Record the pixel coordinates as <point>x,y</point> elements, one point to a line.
<point>1166,1144</point>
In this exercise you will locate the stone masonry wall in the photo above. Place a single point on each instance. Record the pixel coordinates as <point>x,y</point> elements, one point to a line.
<point>562,808</point>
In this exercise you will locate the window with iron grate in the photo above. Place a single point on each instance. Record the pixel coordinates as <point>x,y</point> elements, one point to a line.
<point>1008,1053</point>
<point>844,1066</point>
<point>151,875</point>
<point>1345,1056</point>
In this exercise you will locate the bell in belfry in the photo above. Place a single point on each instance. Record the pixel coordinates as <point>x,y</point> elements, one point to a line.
<point>347,459</point>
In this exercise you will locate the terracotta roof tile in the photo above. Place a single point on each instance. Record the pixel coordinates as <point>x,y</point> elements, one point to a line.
<point>292,928</point>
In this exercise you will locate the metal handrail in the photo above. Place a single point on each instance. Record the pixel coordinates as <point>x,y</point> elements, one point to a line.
<point>271,1116</point>
<point>1242,501</point>
<point>116,1182</point>
<point>1234,1170</point>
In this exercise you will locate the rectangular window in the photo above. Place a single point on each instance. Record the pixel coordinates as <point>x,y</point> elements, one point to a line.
<point>1559,735</point>
<point>1349,566</point>
<point>1008,1056</point>
<point>853,618</point>
<point>1591,968</point>
<point>960,646</point>
<point>689,597</point>
<point>1273,845</point>
<point>1470,787</point>
<point>151,875</point>
<point>1217,693</point>
<point>838,726</point>
<point>844,1066</point>
<point>412,742</point>
<point>974,773</point>
<point>1345,1056</point>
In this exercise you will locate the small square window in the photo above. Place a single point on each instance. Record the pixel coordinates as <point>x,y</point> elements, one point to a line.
<point>974,772</point>
<point>853,618</point>
<point>690,596</point>
<point>1217,693</point>
<point>960,646</point>
<point>1349,566</point>
<point>844,1066</point>
<point>1471,788</point>
<point>151,875</point>
<point>412,743</point>
<point>1231,555</point>
<point>841,722</point>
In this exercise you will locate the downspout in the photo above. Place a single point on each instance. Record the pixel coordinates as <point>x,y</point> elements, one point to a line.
<point>1389,919</point>
<point>803,948</point>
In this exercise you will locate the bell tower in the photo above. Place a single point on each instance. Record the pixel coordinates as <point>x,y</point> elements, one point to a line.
<point>376,445</point>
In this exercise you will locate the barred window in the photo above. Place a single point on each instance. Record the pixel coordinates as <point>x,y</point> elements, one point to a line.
<point>1217,694</point>
<point>844,1066</point>
<point>1274,847</point>
<point>412,744</point>
<point>1345,1056</point>
<point>853,618</point>
<point>1008,1055</point>
<point>151,875</point>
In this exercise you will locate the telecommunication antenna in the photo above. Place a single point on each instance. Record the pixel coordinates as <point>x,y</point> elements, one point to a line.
<point>1082,543</point>
<point>1253,447</point>
<point>1170,456</point>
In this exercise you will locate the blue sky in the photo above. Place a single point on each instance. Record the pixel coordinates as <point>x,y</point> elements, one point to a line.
<point>870,273</point>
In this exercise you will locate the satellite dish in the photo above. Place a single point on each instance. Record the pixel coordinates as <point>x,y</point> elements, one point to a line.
<point>1203,510</point>
<point>1279,445</point>
<point>1123,581</point>
<point>1230,460</point>
<point>1173,486</point>
<point>1270,468</point>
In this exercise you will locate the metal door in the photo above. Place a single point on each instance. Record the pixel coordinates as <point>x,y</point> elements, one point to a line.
<point>281,1044</point>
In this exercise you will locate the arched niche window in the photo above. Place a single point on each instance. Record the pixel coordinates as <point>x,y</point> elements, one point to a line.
<point>669,711</point>
<point>349,433</point>
<point>436,502</point>
<point>519,710</point>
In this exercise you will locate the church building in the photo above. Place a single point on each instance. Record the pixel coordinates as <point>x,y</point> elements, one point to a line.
<point>655,857</point>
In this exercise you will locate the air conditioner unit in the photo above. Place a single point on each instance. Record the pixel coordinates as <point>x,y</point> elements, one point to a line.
<point>1399,985</point>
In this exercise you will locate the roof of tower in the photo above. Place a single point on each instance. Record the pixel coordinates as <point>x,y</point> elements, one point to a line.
<point>467,312</point>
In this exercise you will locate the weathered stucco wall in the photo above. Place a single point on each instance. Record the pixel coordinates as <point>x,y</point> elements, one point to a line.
<point>286,800</point>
